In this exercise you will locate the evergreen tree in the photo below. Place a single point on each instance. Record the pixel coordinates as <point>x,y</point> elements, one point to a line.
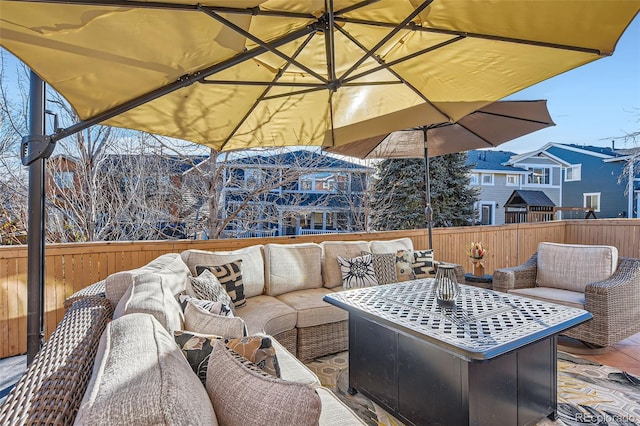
<point>398,193</point>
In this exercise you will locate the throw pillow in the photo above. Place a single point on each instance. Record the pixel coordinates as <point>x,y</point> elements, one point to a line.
<point>423,264</point>
<point>197,348</point>
<point>201,321</point>
<point>241,394</point>
<point>207,287</point>
<point>403,265</point>
<point>357,272</point>
<point>217,308</point>
<point>230,276</point>
<point>384,265</point>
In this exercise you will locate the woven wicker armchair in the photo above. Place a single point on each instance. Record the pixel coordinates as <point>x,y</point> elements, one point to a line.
<point>614,303</point>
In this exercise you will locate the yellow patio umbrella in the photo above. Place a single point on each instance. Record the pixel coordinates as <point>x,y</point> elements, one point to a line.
<point>234,74</point>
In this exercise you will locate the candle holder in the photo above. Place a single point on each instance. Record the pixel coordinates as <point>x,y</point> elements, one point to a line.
<point>447,288</point>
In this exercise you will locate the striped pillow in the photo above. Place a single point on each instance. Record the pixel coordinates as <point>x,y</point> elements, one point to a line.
<point>230,276</point>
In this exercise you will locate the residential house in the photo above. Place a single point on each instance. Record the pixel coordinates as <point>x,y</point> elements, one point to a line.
<point>286,193</point>
<point>591,177</point>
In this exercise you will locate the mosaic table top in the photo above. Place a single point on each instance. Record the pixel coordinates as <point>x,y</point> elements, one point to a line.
<point>482,324</point>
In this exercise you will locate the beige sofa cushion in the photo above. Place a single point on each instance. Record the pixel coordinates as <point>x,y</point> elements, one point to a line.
<point>199,320</point>
<point>311,309</point>
<point>149,294</point>
<point>140,377</point>
<point>554,295</point>
<point>266,314</point>
<point>252,265</point>
<point>391,246</point>
<point>572,267</point>
<point>170,265</point>
<point>331,274</point>
<point>290,267</point>
<point>242,395</point>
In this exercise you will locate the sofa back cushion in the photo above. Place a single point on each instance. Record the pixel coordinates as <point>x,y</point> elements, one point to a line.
<point>290,267</point>
<point>149,294</point>
<point>331,274</point>
<point>391,246</point>
<point>572,266</point>
<point>252,265</point>
<point>140,377</point>
<point>170,265</point>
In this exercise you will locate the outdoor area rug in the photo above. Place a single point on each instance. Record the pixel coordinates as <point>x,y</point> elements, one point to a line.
<point>588,393</point>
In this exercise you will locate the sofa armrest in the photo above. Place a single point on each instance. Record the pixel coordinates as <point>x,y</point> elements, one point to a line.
<point>615,301</point>
<point>95,289</point>
<point>52,387</point>
<point>522,276</point>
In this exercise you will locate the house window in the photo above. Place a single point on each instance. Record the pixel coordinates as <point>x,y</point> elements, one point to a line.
<point>592,201</point>
<point>539,176</point>
<point>473,179</point>
<point>573,173</point>
<point>252,178</point>
<point>487,179</point>
<point>306,184</point>
<point>513,180</point>
<point>64,180</point>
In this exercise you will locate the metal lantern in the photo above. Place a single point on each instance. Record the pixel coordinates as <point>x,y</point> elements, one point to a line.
<point>447,288</point>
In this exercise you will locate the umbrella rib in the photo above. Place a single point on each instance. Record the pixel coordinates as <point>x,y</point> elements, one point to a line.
<point>356,6</point>
<point>385,39</point>
<point>180,83</point>
<point>404,58</point>
<point>265,91</point>
<point>394,73</point>
<point>298,92</point>
<point>260,42</point>
<point>414,27</point>
<point>529,120</point>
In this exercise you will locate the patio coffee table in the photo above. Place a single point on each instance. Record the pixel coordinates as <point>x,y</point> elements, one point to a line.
<point>491,359</point>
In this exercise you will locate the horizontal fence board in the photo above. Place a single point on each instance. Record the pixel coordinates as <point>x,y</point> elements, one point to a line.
<point>71,267</point>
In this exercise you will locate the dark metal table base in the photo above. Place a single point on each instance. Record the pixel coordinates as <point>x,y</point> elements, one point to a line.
<point>422,384</point>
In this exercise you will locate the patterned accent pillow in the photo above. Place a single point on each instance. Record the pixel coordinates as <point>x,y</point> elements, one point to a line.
<point>207,287</point>
<point>357,272</point>
<point>384,265</point>
<point>403,265</point>
<point>256,349</point>
<point>423,263</point>
<point>217,308</point>
<point>230,276</point>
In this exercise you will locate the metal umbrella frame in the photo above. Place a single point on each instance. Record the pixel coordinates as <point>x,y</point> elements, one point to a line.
<point>487,127</point>
<point>245,73</point>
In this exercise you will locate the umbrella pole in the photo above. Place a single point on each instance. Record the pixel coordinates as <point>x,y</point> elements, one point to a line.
<point>35,148</point>
<point>428,211</point>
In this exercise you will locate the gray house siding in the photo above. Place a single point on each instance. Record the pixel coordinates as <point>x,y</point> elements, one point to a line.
<point>596,177</point>
<point>496,194</point>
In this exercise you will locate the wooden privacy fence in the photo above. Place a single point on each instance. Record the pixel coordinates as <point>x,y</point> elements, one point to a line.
<point>71,267</point>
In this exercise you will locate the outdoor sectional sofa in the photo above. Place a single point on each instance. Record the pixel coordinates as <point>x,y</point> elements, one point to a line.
<point>113,360</point>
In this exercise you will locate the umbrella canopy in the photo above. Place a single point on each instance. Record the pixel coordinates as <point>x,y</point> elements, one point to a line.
<point>244,73</point>
<point>487,127</point>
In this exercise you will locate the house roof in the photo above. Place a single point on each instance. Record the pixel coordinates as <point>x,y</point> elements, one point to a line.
<point>301,158</point>
<point>491,160</point>
<point>521,198</point>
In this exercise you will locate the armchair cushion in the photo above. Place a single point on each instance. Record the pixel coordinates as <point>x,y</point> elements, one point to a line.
<point>553,295</point>
<point>572,267</point>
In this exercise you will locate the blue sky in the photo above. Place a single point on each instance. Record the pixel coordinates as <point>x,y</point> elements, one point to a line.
<point>592,104</point>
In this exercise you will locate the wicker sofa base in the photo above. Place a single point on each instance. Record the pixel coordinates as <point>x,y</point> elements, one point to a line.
<point>50,391</point>
<point>288,339</point>
<point>321,340</point>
